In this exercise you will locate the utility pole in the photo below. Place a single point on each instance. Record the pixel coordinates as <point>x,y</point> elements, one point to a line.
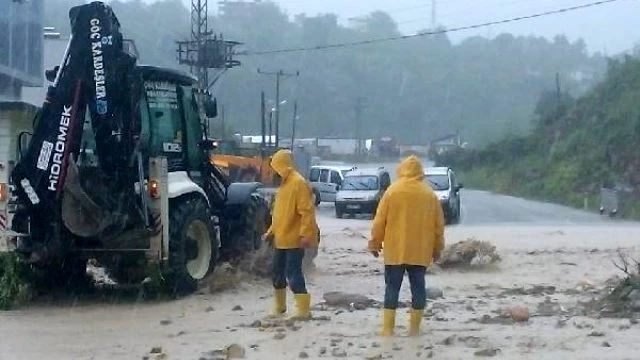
<point>205,51</point>
<point>278,74</point>
<point>433,15</point>
<point>270,126</point>
<point>558,96</point>
<point>293,123</point>
<point>263,125</point>
<point>222,130</point>
<point>358,124</point>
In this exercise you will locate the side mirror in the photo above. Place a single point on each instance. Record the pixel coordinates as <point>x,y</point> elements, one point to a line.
<point>50,75</point>
<point>207,144</point>
<point>211,108</point>
<point>337,187</point>
<point>459,186</point>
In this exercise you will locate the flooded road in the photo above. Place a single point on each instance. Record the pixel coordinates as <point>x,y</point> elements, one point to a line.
<point>543,246</point>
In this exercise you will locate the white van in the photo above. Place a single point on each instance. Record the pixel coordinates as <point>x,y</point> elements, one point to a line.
<point>326,179</point>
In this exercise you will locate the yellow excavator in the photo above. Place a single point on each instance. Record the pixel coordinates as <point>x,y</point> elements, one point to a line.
<point>244,162</point>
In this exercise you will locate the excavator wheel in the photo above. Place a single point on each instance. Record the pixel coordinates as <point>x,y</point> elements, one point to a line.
<point>193,243</point>
<point>257,219</point>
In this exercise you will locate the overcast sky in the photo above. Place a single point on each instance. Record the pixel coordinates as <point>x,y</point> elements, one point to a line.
<point>611,27</point>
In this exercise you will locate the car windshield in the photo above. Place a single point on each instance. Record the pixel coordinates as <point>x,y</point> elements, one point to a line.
<point>360,183</point>
<point>438,182</point>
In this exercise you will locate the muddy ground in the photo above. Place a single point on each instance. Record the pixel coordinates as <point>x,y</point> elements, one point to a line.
<point>548,267</point>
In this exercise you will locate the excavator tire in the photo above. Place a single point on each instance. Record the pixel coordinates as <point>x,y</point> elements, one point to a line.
<point>257,220</point>
<point>193,244</point>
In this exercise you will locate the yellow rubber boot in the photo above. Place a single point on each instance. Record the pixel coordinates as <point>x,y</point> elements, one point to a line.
<point>388,322</point>
<point>303,303</point>
<point>280,302</point>
<point>415,318</point>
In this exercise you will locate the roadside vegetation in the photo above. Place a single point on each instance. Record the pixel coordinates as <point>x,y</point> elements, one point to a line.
<point>577,146</point>
<point>13,278</point>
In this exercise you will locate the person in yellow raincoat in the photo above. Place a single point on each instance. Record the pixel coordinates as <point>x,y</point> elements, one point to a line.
<point>409,223</point>
<point>293,228</point>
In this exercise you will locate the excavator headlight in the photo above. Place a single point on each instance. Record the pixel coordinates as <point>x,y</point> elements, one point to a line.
<point>154,189</point>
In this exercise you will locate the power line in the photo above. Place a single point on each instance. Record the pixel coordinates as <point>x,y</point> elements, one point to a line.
<point>447,14</point>
<point>426,33</point>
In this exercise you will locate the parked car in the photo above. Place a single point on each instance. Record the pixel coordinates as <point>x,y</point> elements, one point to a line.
<point>361,191</point>
<point>325,180</point>
<point>444,183</point>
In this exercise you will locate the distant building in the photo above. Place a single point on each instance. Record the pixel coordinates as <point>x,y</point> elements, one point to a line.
<point>54,47</point>
<point>21,46</point>
<point>447,142</point>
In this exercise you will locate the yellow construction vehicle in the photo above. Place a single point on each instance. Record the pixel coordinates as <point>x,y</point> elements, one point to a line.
<point>244,162</point>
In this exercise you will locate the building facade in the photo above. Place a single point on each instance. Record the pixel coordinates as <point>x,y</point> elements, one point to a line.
<point>21,46</point>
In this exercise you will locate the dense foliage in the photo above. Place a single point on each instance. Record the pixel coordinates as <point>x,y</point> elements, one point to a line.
<point>577,146</point>
<point>416,89</point>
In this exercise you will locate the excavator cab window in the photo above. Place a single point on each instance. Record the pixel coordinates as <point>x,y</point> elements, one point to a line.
<point>192,127</point>
<point>166,123</point>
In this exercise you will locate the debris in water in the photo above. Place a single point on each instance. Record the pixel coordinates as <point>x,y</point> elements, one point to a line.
<point>235,351</point>
<point>353,233</point>
<point>623,300</point>
<point>487,352</point>
<point>339,353</point>
<point>348,300</point>
<point>470,252</point>
<point>519,313</point>
<point>434,293</point>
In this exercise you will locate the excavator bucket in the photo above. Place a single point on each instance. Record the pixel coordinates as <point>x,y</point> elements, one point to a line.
<point>80,214</point>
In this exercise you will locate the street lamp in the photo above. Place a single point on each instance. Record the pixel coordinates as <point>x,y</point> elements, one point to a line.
<point>274,109</point>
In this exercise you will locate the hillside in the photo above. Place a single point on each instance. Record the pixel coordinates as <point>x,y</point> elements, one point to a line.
<point>416,89</point>
<point>577,146</point>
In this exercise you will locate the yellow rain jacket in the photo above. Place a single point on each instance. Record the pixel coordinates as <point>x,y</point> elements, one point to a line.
<point>293,210</point>
<point>409,220</point>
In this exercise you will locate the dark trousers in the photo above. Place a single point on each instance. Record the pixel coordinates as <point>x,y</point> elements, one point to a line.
<point>287,269</point>
<point>393,275</point>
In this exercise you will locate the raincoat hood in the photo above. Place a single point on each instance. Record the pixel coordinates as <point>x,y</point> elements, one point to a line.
<point>282,162</point>
<point>410,168</point>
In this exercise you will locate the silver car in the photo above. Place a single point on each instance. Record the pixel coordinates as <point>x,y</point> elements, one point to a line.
<point>444,183</point>
<point>361,191</point>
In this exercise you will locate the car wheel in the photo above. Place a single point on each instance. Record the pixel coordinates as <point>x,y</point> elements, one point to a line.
<point>447,216</point>
<point>456,218</point>
<point>316,195</point>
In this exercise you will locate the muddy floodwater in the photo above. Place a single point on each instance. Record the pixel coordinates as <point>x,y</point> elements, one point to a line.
<point>553,259</point>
